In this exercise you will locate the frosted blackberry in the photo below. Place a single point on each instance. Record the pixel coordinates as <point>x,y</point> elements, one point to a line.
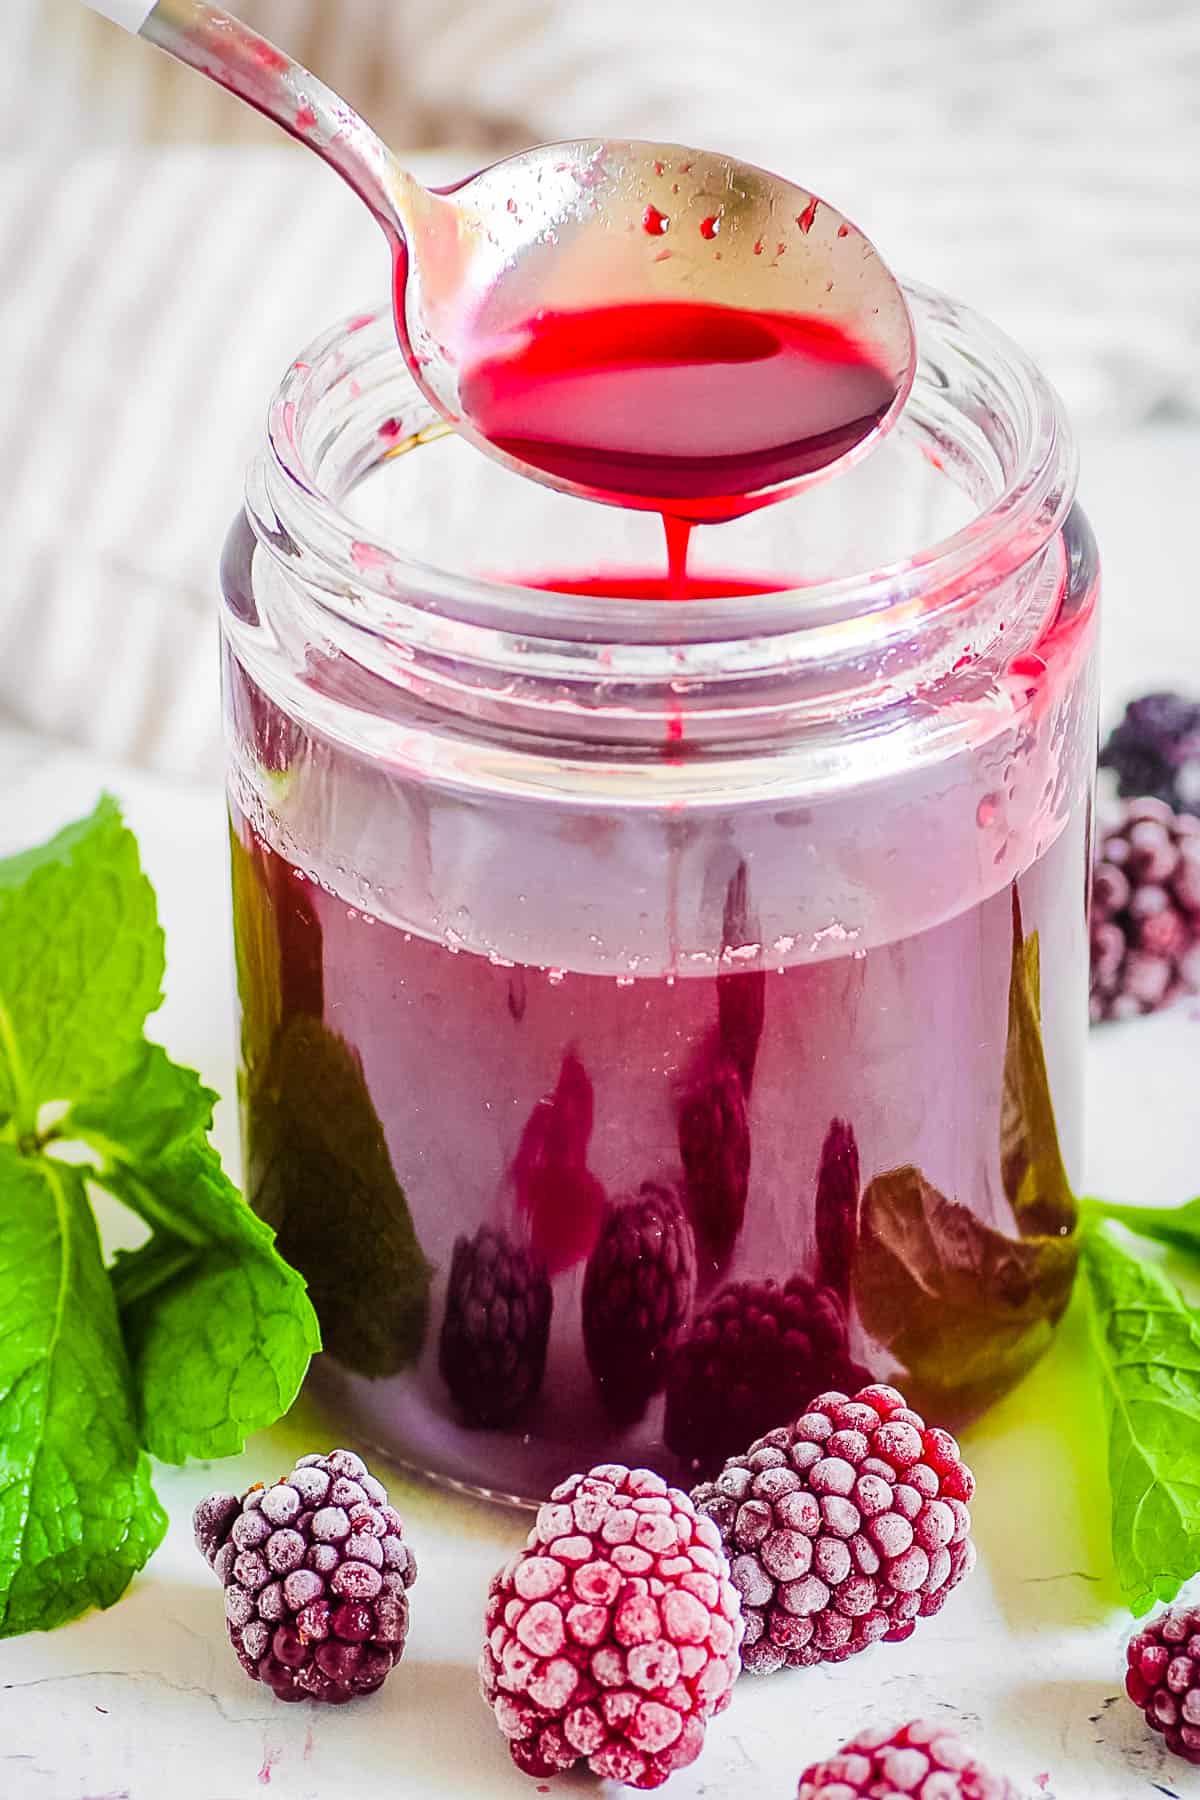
<point>1163,1678</point>
<point>316,1576</point>
<point>1155,750</point>
<point>1145,914</point>
<point>638,1290</point>
<point>613,1637</point>
<point>920,1761</point>
<point>714,1147</point>
<point>754,1358</point>
<point>495,1329</point>
<point>842,1529</point>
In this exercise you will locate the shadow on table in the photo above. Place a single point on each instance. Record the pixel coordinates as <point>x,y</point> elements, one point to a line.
<point>1041,1510</point>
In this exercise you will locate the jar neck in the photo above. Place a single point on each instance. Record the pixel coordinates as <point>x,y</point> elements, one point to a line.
<point>390,632</point>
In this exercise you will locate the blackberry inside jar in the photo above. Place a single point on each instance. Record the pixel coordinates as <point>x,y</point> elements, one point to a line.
<point>652,1010</point>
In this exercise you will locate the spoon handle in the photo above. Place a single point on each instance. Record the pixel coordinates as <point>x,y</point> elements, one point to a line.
<point>238,59</point>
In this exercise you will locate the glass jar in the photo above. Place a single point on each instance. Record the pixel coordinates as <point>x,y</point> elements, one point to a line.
<point>654,1013</point>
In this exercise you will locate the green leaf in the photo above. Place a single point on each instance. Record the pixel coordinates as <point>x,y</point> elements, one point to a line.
<point>1178,1226</point>
<point>964,1309</point>
<point>154,1106</point>
<point>1034,1175</point>
<point>257,955</point>
<point>220,1330</point>
<point>78,1516</point>
<point>320,1172</point>
<point>81,964</point>
<point>1147,1342</point>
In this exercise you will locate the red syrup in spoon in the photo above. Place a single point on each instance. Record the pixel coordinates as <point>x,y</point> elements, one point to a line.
<point>685,406</point>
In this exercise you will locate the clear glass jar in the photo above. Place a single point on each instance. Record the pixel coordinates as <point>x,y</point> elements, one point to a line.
<point>654,1013</point>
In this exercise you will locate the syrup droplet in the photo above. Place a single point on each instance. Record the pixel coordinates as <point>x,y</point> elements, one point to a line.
<point>655,223</point>
<point>390,430</point>
<point>807,218</point>
<point>306,119</point>
<point>368,556</point>
<point>843,230</point>
<point>709,227</point>
<point>1030,664</point>
<point>269,56</point>
<point>758,246</point>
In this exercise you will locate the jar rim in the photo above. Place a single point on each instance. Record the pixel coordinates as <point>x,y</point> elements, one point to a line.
<point>376,584</point>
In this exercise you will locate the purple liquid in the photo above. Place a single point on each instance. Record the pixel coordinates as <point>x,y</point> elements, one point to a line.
<point>767,1098</point>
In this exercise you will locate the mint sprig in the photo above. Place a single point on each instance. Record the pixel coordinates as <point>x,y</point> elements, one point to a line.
<point>184,1346</point>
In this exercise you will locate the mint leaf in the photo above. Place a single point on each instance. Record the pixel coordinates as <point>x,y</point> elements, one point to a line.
<point>186,1345</point>
<point>81,964</point>
<point>78,1515</point>
<point>1178,1226</point>
<point>1031,1164</point>
<point>320,1173</point>
<point>220,1330</point>
<point>154,1106</point>
<point>1147,1342</point>
<point>964,1309</point>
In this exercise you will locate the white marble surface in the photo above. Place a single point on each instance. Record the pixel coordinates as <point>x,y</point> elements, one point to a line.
<point>147,1697</point>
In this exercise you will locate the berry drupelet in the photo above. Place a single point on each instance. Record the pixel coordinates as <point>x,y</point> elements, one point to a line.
<point>920,1761</point>
<point>842,1529</point>
<point>1163,1678</point>
<point>613,1637</point>
<point>1145,917</point>
<point>495,1329</point>
<point>638,1290</point>
<point>316,1576</point>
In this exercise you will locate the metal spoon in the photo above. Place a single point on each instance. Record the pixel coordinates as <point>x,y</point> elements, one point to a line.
<point>569,232</point>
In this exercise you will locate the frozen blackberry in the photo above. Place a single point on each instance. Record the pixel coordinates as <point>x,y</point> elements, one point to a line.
<point>1155,750</point>
<point>495,1328</point>
<point>714,1146</point>
<point>836,1208</point>
<point>1163,1678</point>
<point>613,1637</point>
<point>316,1576</point>
<point>638,1290</point>
<point>1145,911</point>
<point>754,1358</point>
<point>842,1529</point>
<point>920,1761</point>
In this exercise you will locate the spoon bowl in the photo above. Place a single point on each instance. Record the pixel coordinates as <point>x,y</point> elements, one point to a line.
<point>702,336</point>
<point>638,323</point>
